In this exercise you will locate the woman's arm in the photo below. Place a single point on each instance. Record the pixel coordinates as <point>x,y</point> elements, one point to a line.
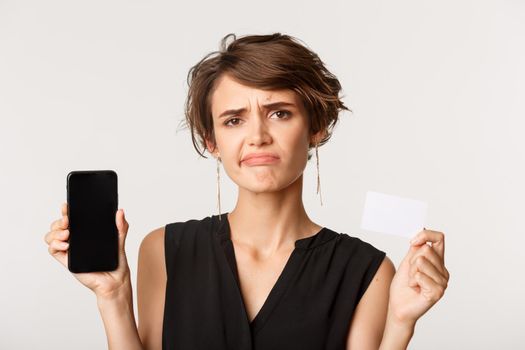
<point>367,328</point>
<point>151,289</point>
<point>117,309</point>
<point>119,320</point>
<point>397,334</point>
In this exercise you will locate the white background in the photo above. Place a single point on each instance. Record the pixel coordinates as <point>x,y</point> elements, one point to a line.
<point>437,92</point>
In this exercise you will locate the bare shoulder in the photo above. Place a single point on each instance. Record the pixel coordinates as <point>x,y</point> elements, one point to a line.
<point>151,253</point>
<point>151,288</point>
<point>386,270</point>
<point>153,239</point>
<point>368,322</point>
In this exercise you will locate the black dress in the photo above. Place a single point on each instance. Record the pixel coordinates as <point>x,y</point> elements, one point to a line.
<point>309,307</point>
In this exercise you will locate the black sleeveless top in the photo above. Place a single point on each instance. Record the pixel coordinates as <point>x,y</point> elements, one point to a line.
<point>309,307</point>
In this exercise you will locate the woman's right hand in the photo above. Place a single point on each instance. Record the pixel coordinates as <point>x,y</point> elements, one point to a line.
<point>104,284</point>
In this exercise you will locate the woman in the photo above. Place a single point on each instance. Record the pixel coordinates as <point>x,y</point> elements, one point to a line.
<point>263,276</point>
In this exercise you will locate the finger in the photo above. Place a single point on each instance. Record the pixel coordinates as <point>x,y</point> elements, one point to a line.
<point>422,264</point>
<point>57,246</point>
<point>447,274</point>
<point>61,235</point>
<point>436,238</point>
<point>63,209</point>
<point>429,253</point>
<point>122,226</point>
<point>412,250</point>
<point>55,225</point>
<point>59,251</point>
<point>65,215</point>
<point>60,224</point>
<point>429,288</point>
<point>439,246</point>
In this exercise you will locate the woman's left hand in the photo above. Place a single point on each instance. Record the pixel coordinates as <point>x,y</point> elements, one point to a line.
<point>421,278</point>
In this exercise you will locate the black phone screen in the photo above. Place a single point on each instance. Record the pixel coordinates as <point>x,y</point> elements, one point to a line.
<point>92,198</point>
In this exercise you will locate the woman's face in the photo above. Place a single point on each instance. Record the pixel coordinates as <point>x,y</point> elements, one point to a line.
<point>266,121</point>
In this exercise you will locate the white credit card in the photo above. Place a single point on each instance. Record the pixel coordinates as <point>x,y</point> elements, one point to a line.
<point>393,215</point>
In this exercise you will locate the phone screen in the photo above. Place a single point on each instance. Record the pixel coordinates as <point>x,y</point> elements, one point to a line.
<point>92,198</point>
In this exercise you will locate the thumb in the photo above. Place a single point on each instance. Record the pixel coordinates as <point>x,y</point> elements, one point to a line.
<point>122,227</point>
<point>410,253</point>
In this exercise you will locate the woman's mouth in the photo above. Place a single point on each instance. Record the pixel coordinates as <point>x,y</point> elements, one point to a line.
<point>262,159</point>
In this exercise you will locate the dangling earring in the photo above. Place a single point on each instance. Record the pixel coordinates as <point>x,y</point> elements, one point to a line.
<point>218,186</point>
<point>318,179</point>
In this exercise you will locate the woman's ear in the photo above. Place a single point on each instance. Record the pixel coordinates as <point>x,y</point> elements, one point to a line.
<point>211,147</point>
<point>317,137</point>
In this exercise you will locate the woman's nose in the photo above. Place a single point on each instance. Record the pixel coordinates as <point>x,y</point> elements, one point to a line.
<point>258,130</point>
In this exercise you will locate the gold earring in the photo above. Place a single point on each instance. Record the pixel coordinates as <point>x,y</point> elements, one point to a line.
<point>318,179</point>
<point>218,187</point>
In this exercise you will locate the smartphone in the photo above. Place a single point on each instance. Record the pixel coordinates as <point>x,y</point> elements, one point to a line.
<point>92,198</point>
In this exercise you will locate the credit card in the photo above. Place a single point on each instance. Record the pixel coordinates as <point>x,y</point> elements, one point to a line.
<point>393,215</point>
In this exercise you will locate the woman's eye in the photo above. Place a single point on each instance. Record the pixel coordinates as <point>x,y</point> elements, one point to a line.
<point>229,120</point>
<point>283,113</point>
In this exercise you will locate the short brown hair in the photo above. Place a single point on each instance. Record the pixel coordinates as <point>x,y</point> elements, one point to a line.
<point>270,62</point>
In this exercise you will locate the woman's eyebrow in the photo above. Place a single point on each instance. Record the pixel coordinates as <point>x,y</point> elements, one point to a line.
<point>266,106</point>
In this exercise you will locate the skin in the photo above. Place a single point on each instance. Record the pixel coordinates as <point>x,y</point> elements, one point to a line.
<point>268,218</point>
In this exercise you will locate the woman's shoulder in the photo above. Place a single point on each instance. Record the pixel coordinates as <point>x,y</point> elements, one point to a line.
<point>189,229</point>
<point>153,241</point>
<point>156,238</point>
<point>357,247</point>
<point>192,223</point>
<point>363,259</point>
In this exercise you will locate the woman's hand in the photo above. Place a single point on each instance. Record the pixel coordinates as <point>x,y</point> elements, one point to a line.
<point>421,278</point>
<point>103,284</point>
